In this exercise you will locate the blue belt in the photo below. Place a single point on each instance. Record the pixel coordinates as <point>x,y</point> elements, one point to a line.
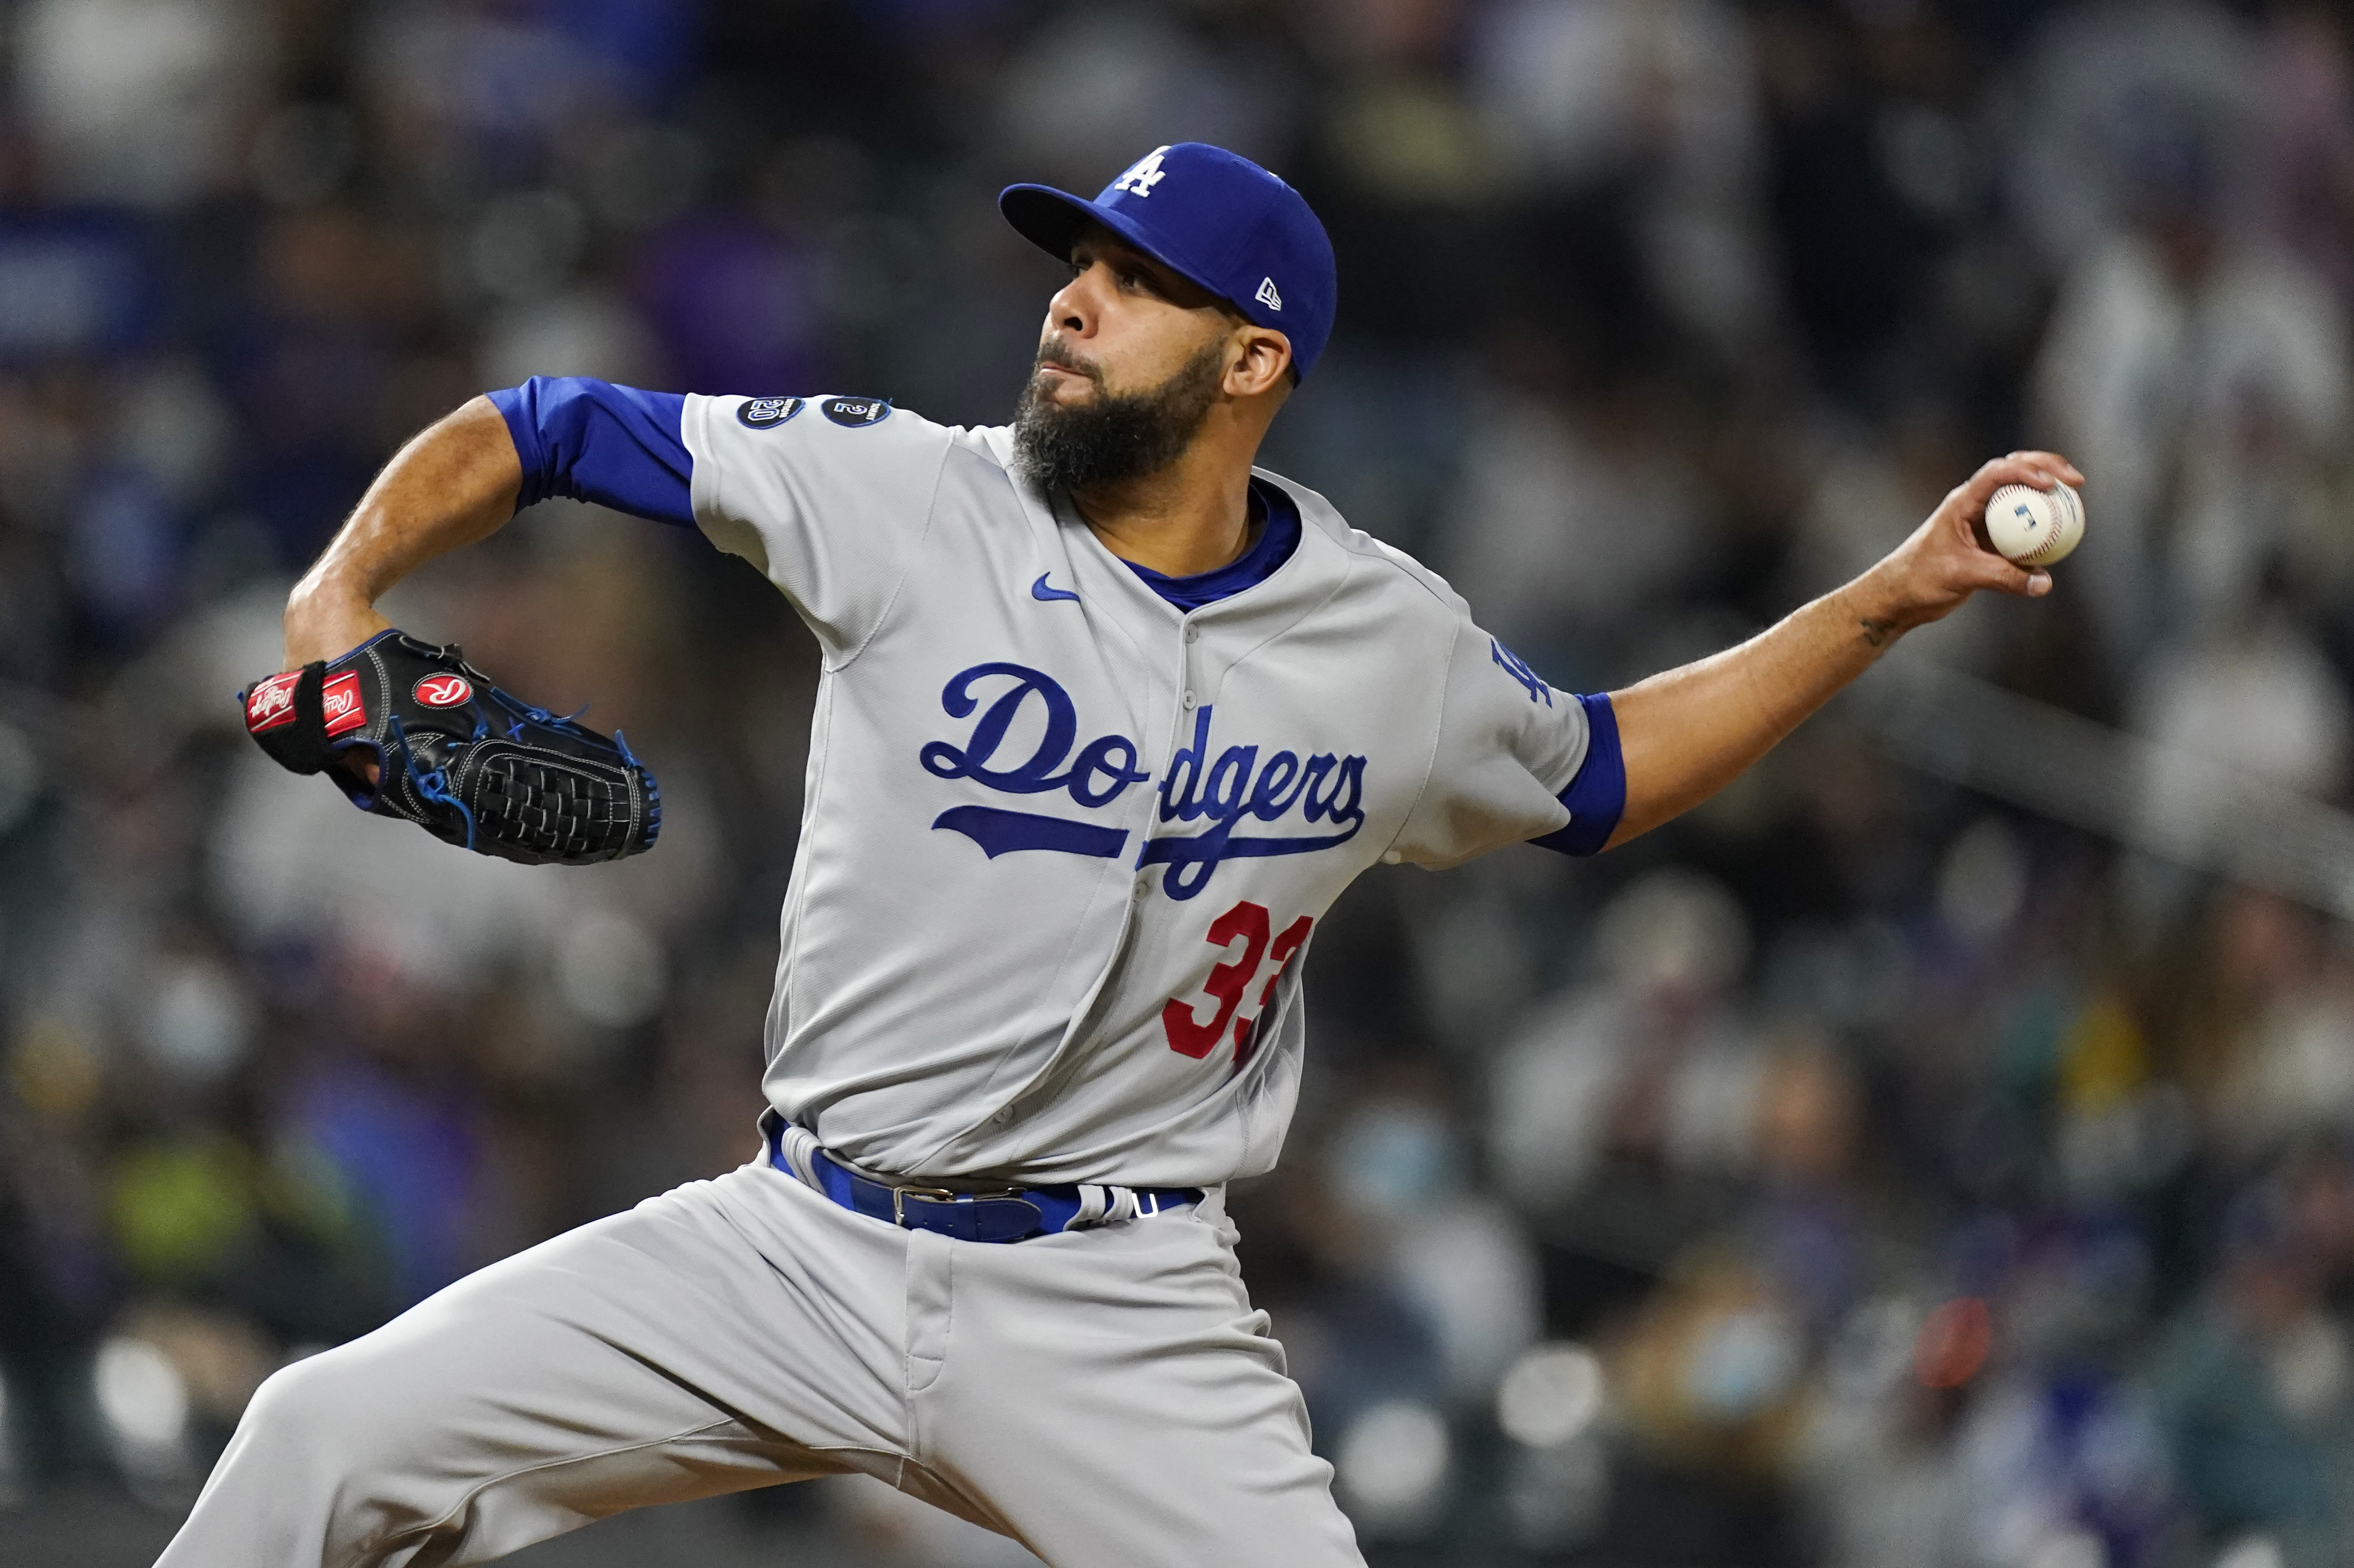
<point>1014,1215</point>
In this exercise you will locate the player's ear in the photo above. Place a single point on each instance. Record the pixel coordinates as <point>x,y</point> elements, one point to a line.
<point>1261,362</point>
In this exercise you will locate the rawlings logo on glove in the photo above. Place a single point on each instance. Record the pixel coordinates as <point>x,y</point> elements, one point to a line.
<point>271,703</point>
<point>443,691</point>
<point>461,758</point>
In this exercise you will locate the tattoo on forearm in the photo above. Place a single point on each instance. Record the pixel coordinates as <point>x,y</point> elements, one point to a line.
<point>1877,632</point>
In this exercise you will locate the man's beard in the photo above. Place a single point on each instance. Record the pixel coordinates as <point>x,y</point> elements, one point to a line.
<point>1112,437</point>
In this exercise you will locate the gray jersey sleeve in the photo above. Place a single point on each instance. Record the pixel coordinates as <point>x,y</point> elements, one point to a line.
<point>1508,745</point>
<point>828,497</point>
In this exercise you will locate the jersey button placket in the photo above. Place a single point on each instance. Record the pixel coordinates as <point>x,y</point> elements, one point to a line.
<point>1186,703</point>
<point>1188,636</point>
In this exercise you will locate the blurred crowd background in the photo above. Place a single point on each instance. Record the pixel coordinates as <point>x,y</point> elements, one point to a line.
<point>1866,1170</point>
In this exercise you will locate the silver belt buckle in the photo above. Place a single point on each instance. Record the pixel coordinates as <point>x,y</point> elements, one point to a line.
<point>899,1201</point>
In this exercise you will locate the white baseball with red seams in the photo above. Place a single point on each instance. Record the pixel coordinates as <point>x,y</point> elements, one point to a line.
<point>2035,527</point>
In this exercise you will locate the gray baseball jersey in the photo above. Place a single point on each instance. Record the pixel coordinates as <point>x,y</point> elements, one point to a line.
<point>1064,845</point>
<point>1064,848</point>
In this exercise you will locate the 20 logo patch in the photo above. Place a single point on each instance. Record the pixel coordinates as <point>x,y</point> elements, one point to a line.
<point>767,413</point>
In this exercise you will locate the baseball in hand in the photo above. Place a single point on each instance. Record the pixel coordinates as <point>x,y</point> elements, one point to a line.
<point>2035,527</point>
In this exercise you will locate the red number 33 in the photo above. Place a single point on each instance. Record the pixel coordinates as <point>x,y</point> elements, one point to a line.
<point>1188,1035</point>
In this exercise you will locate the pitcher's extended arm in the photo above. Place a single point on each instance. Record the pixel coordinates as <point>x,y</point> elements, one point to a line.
<point>1687,733</point>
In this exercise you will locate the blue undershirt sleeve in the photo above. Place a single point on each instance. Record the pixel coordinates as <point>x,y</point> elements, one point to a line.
<point>1596,798</point>
<point>592,440</point>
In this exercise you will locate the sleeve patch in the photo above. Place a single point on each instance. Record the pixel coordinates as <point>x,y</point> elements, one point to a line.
<point>767,413</point>
<point>856,413</point>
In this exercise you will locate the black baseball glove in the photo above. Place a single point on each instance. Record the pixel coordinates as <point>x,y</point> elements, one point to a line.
<point>461,758</point>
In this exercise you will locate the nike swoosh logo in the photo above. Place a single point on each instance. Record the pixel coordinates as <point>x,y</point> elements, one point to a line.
<point>1039,591</point>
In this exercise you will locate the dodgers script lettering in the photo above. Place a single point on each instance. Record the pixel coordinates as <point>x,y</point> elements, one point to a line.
<point>1227,788</point>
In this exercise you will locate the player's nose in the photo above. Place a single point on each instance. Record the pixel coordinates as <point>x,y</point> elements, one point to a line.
<point>1074,308</point>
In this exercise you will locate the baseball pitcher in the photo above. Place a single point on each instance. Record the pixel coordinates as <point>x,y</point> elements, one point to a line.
<point>1108,718</point>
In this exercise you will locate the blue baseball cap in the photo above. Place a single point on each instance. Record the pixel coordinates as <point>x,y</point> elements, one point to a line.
<point>1213,216</point>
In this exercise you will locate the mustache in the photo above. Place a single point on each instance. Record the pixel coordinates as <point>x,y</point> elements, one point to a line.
<point>1054,351</point>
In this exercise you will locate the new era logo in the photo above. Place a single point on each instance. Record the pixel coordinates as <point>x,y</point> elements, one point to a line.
<point>1267,296</point>
<point>1147,174</point>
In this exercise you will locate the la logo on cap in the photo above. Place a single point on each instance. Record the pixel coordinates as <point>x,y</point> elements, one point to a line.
<point>1147,174</point>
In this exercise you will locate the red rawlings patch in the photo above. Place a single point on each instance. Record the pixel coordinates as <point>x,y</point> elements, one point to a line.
<point>443,691</point>
<point>340,700</point>
<point>271,703</point>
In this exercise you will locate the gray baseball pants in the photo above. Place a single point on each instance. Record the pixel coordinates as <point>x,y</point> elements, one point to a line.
<point>1107,1397</point>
